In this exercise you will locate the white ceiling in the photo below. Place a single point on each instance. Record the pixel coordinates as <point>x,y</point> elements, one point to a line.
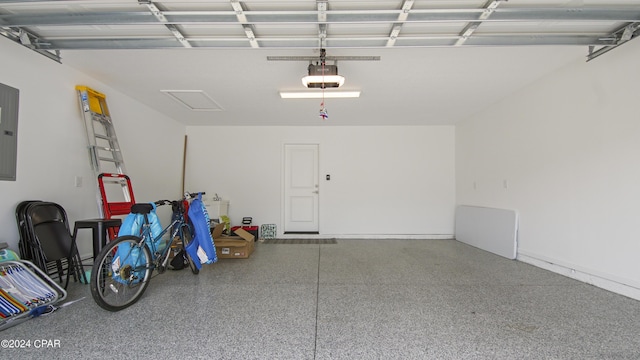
<point>437,65</point>
<point>406,87</point>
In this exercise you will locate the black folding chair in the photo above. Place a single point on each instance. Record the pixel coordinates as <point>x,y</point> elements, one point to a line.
<point>25,245</point>
<point>53,245</point>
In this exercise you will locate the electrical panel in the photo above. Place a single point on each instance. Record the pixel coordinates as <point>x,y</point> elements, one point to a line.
<point>9,100</point>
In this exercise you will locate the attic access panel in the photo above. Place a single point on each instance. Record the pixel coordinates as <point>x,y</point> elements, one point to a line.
<point>9,100</point>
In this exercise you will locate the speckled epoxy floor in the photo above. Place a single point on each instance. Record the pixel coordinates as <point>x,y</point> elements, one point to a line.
<point>357,299</point>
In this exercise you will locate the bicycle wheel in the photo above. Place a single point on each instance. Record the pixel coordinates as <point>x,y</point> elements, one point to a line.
<point>186,239</point>
<point>120,273</point>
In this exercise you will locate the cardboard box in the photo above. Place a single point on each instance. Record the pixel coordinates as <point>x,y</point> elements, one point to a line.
<point>233,247</point>
<point>253,230</point>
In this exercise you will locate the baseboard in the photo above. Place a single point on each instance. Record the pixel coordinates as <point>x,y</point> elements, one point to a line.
<point>369,236</point>
<point>618,286</point>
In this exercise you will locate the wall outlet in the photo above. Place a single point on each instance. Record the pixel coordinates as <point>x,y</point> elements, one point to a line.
<point>78,181</point>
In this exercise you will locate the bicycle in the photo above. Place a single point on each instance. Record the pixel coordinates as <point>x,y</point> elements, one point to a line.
<point>122,270</point>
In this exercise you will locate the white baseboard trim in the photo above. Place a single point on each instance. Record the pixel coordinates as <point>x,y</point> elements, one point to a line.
<point>369,236</point>
<point>614,285</point>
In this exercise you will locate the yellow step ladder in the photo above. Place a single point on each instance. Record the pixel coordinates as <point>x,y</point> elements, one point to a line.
<point>104,149</point>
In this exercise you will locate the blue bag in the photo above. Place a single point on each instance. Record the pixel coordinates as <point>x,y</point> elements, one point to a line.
<point>128,255</point>
<point>132,224</point>
<point>201,247</point>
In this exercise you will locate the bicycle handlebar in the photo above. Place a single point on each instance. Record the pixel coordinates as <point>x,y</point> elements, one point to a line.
<point>187,196</point>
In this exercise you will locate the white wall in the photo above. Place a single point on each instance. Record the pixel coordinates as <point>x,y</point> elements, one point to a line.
<point>52,148</point>
<point>567,147</point>
<point>384,180</point>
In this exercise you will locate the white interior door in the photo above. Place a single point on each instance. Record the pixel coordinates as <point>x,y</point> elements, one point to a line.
<point>301,188</point>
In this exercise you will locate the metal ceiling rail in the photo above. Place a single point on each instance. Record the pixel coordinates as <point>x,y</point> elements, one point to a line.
<point>312,42</point>
<point>145,42</point>
<point>546,15</point>
<point>50,26</point>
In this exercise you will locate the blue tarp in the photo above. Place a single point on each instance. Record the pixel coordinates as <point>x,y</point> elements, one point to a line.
<point>201,249</point>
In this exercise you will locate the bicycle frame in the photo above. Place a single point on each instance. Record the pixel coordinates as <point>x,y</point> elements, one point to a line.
<point>149,241</point>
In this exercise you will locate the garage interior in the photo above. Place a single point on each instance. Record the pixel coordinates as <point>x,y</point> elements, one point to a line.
<point>520,105</point>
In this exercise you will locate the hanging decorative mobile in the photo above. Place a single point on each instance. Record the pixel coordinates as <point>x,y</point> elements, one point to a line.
<point>323,111</point>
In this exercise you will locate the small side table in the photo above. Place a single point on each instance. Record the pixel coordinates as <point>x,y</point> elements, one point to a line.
<point>99,227</point>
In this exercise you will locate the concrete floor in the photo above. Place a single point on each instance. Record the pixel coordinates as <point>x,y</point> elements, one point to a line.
<point>357,299</point>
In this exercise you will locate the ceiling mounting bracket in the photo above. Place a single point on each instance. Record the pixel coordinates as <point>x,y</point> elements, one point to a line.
<point>402,17</point>
<point>248,28</point>
<point>173,28</point>
<point>322,23</point>
<point>489,8</point>
<point>31,41</point>
<point>619,37</point>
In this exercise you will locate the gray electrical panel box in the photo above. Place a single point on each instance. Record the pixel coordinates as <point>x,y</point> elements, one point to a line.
<point>9,100</point>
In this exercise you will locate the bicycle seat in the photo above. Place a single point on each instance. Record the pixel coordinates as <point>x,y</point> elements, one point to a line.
<point>141,208</point>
